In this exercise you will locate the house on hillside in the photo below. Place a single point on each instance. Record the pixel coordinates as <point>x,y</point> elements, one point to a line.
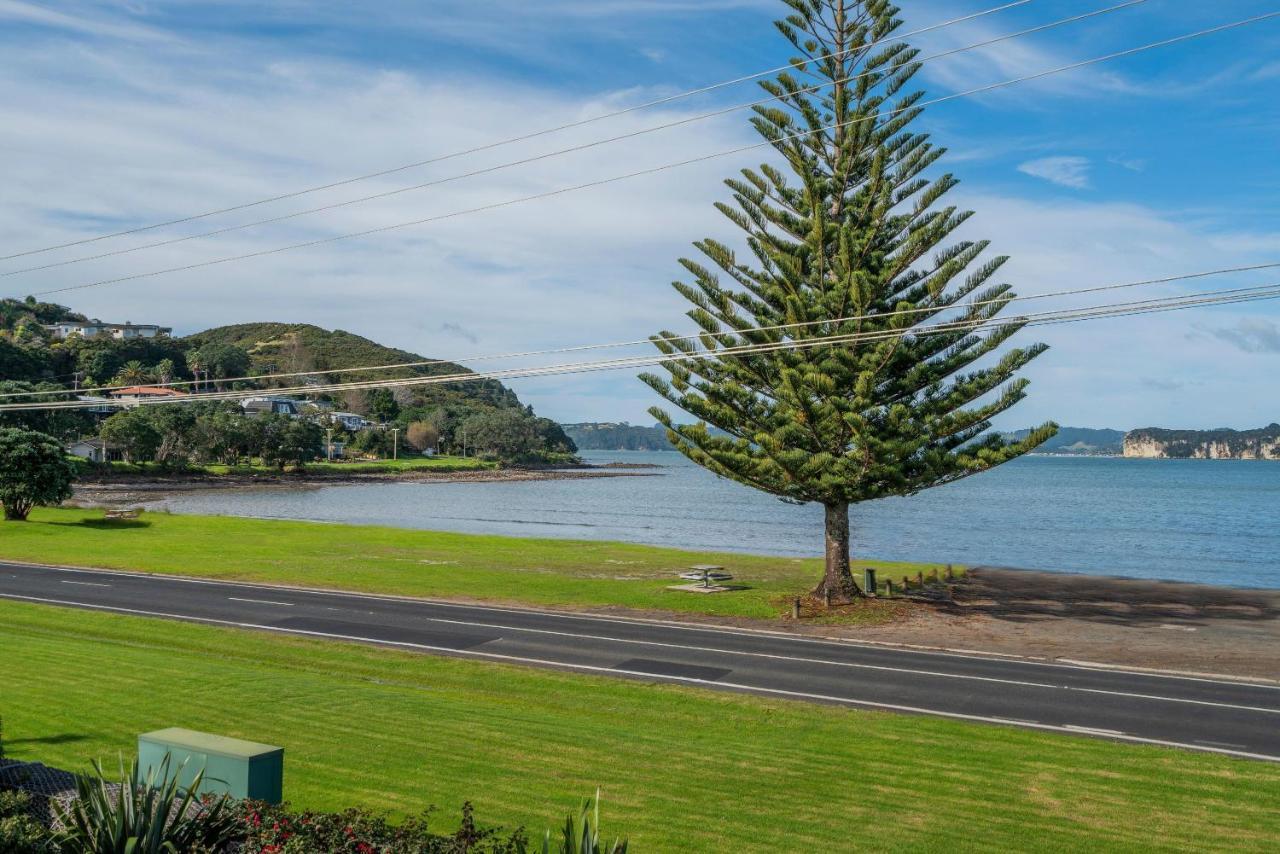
<point>349,420</point>
<point>126,331</point>
<point>133,395</point>
<point>95,450</point>
<point>255,406</point>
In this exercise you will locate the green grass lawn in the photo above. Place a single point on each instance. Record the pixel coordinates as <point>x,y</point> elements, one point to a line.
<point>419,563</point>
<point>680,769</point>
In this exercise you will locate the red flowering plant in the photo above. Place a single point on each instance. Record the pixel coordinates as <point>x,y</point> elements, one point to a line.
<point>275,829</point>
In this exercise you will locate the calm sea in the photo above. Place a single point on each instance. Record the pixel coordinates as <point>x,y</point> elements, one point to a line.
<point>1216,522</point>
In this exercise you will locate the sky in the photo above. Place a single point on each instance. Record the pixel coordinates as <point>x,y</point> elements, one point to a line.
<point>120,113</point>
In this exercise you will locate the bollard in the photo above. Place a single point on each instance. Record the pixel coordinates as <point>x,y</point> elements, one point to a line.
<point>951,576</point>
<point>888,587</point>
<point>906,584</point>
<point>869,581</point>
<point>920,577</point>
<point>795,609</point>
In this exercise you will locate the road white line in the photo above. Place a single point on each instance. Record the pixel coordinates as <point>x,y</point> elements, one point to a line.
<point>612,671</point>
<point>858,665</point>
<point>85,583</point>
<point>259,601</point>
<point>1094,730</point>
<point>846,643</point>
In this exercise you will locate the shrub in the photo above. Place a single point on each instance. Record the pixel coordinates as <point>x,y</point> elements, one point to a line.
<point>150,815</point>
<point>19,832</point>
<point>274,829</point>
<point>581,833</point>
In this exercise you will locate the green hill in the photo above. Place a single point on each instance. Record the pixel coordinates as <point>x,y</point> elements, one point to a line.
<point>1085,441</point>
<point>301,347</point>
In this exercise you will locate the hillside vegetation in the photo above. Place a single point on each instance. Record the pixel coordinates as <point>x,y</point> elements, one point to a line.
<point>474,416</point>
<point>1223,443</point>
<point>302,347</point>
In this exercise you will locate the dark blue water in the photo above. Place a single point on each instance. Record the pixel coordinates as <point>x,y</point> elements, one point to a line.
<point>1211,521</point>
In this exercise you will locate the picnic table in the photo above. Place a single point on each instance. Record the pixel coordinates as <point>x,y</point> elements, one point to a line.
<point>706,573</point>
<point>122,514</point>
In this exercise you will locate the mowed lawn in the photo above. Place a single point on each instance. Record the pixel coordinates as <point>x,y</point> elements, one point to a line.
<point>417,563</point>
<point>680,769</point>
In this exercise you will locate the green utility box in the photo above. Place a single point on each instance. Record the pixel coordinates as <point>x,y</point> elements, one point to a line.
<point>242,769</point>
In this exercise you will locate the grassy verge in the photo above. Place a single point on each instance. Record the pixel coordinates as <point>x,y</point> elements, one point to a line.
<point>419,563</point>
<point>680,769</point>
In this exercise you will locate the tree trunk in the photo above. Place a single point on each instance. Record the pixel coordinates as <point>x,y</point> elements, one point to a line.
<point>837,577</point>
<point>17,512</point>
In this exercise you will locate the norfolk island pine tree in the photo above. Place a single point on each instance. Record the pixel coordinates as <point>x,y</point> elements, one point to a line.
<point>846,236</point>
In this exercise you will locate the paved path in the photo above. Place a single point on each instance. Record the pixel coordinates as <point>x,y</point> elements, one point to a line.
<point>1216,715</point>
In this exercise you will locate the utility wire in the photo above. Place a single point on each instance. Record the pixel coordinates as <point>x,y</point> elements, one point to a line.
<point>562,151</point>
<point>643,341</point>
<point>657,169</point>
<point>503,142</point>
<point>1159,304</point>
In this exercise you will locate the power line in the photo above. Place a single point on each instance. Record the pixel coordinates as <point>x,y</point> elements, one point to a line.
<point>657,169</point>
<point>559,152</point>
<point>643,341</point>
<point>511,140</point>
<point>1148,306</point>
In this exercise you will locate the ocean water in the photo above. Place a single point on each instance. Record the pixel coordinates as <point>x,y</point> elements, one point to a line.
<point>1212,521</point>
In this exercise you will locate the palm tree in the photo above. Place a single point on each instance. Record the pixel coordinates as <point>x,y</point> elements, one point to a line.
<point>165,369</point>
<point>132,373</point>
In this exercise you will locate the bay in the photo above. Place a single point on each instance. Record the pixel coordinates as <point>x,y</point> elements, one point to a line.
<point>1211,521</point>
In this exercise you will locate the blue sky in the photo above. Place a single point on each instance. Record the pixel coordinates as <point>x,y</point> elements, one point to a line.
<point>114,114</point>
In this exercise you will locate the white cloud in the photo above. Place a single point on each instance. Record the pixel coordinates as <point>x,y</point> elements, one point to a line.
<point>15,10</point>
<point>1133,164</point>
<point>1065,171</point>
<point>1252,335</point>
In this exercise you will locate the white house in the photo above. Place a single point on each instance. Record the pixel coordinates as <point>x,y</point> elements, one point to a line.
<point>95,450</point>
<point>97,329</point>
<point>349,420</point>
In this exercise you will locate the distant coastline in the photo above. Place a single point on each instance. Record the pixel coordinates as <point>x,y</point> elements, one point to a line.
<point>1143,443</point>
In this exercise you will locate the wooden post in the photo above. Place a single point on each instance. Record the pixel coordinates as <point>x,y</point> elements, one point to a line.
<point>920,577</point>
<point>888,587</point>
<point>795,609</point>
<point>906,584</point>
<point>950,573</point>
<point>933,574</point>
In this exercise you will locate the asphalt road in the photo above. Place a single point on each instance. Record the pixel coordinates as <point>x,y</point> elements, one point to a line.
<point>1216,715</point>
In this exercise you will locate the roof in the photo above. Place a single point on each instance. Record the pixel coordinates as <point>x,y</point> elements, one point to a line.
<point>147,391</point>
<point>94,442</point>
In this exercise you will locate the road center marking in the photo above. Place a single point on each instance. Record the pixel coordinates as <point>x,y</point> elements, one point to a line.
<point>259,601</point>
<point>86,583</point>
